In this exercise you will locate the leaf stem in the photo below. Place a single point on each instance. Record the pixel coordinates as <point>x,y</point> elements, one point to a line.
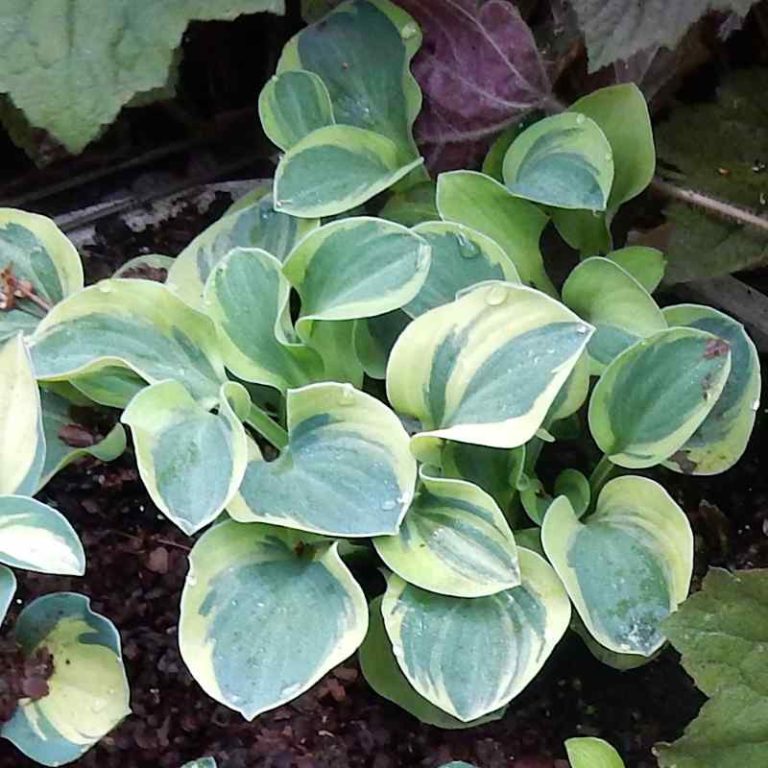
<point>601,474</point>
<point>269,429</point>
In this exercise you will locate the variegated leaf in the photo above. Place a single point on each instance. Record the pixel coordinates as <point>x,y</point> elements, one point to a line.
<point>7,590</point>
<point>254,591</point>
<point>490,647</point>
<point>88,691</point>
<point>145,266</point>
<point>626,566</point>
<point>655,395</point>
<point>111,385</point>
<point>347,470</point>
<point>191,461</point>
<point>485,368</point>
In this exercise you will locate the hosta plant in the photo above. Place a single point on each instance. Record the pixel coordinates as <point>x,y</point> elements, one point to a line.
<point>360,370</point>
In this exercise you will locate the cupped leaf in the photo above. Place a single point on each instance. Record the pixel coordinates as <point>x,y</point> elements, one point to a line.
<point>36,537</point>
<point>362,52</point>
<point>645,264</point>
<point>111,385</point>
<point>248,297</point>
<point>347,470</point>
<point>489,648</point>
<point>656,394</point>
<point>721,439</point>
<point>136,324</point>
<point>454,540</point>
<point>381,671</point>
<point>88,691</point>
<point>334,341</point>
<point>573,394</point>
<point>7,590</point>
<point>575,486</point>
<point>374,338</point>
<point>336,168</point>
<point>292,105</point>
<point>22,444</point>
<point>412,206</point>
<point>564,161</point>
<point>254,591</point>
<point>622,311</point>
<point>255,225</point>
<point>191,461</point>
<point>357,267</point>
<point>485,368</point>
<point>590,752</point>
<point>36,253</point>
<point>485,205</point>
<point>627,566</point>
<point>461,258</point>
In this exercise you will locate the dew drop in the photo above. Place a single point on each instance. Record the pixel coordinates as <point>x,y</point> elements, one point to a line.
<point>347,396</point>
<point>409,30</point>
<point>581,329</point>
<point>104,287</point>
<point>755,405</point>
<point>496,295</point>
<point>467,248</point>
<point>423,259</point>
<point>580,119</point>
<point>608,156</point>
<point>388,505</point>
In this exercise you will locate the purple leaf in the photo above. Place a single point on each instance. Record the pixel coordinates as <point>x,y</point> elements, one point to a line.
<point>479,70</point>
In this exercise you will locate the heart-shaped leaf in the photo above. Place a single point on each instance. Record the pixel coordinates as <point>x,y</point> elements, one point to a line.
<point>589,752</point>
<point>485,368</point>
<point>490,647</point>
<point>87,692</point>
<point>627,566</point>
<point>347,470</point>
<point>654,395</point>
<point>253,591</point>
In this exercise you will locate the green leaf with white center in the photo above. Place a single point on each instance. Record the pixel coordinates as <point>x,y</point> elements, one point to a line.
<point>485,368</point>
<point>88,690</point>
<point>490,647</point>
<point>36,251</point>
<point>374,338</point>
<point>336,168</point>
<point>590,752</point>
<point>347,471</point>
<point>454,540</point>
<point>253,591</point>
<point>412,206</point>
<point>627,566</point>
<point>57,416</point>
<point>461,258</point>
<point>7,590</point>
<point>362,52</point>
<point>141,267</point>
<point>248,297</point>
<point>22,444</point>
<point>135,324</point>
<point>564,161</point>
<point>36,537</point>
<point>485,205</point>
<point>380,669</point>
<point>622,311</point>
<point>356,267</point>
<point>292,105</point>
<point>645,264</point>
<point>654,396</point>
<point>721,439</point>
<point>255,225</point>
<point>191,461</point>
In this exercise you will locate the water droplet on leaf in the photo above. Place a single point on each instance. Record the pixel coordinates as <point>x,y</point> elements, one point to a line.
<point>580,119</point>
<point>496,295</point>
<point>409,30</point>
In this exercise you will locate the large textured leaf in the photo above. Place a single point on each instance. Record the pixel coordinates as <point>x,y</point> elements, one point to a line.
<point>480,202</point>
<point>34,250</point>
<point>722,634</point>
<point>248,297</point>
<point>622,311</point>
<point>137,324</point>
<point>256,225</point>
<point>722,437</point>
<point>36,537</point>
<point>88,691</point>
<point>485,368</point>
<point>191,461</point>
<point>479,70</point>
<point>454,540</point>
<point>626,566</point>
<point>356,267</point>
<point>380,669</point>
<point>471,656</point>
<point>252,593</point>
<point>98,56</point>
<point>563,161</point>
<point>616,29</point>
<point>589,752</point>
<point>336,168</point>
<point>461,258</point>
<point>7,590</point>
<point>347,470</point>
<point>362,52</point>
<point>656,394</point>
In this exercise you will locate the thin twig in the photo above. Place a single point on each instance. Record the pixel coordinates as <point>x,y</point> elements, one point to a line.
<point>712,205</point>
